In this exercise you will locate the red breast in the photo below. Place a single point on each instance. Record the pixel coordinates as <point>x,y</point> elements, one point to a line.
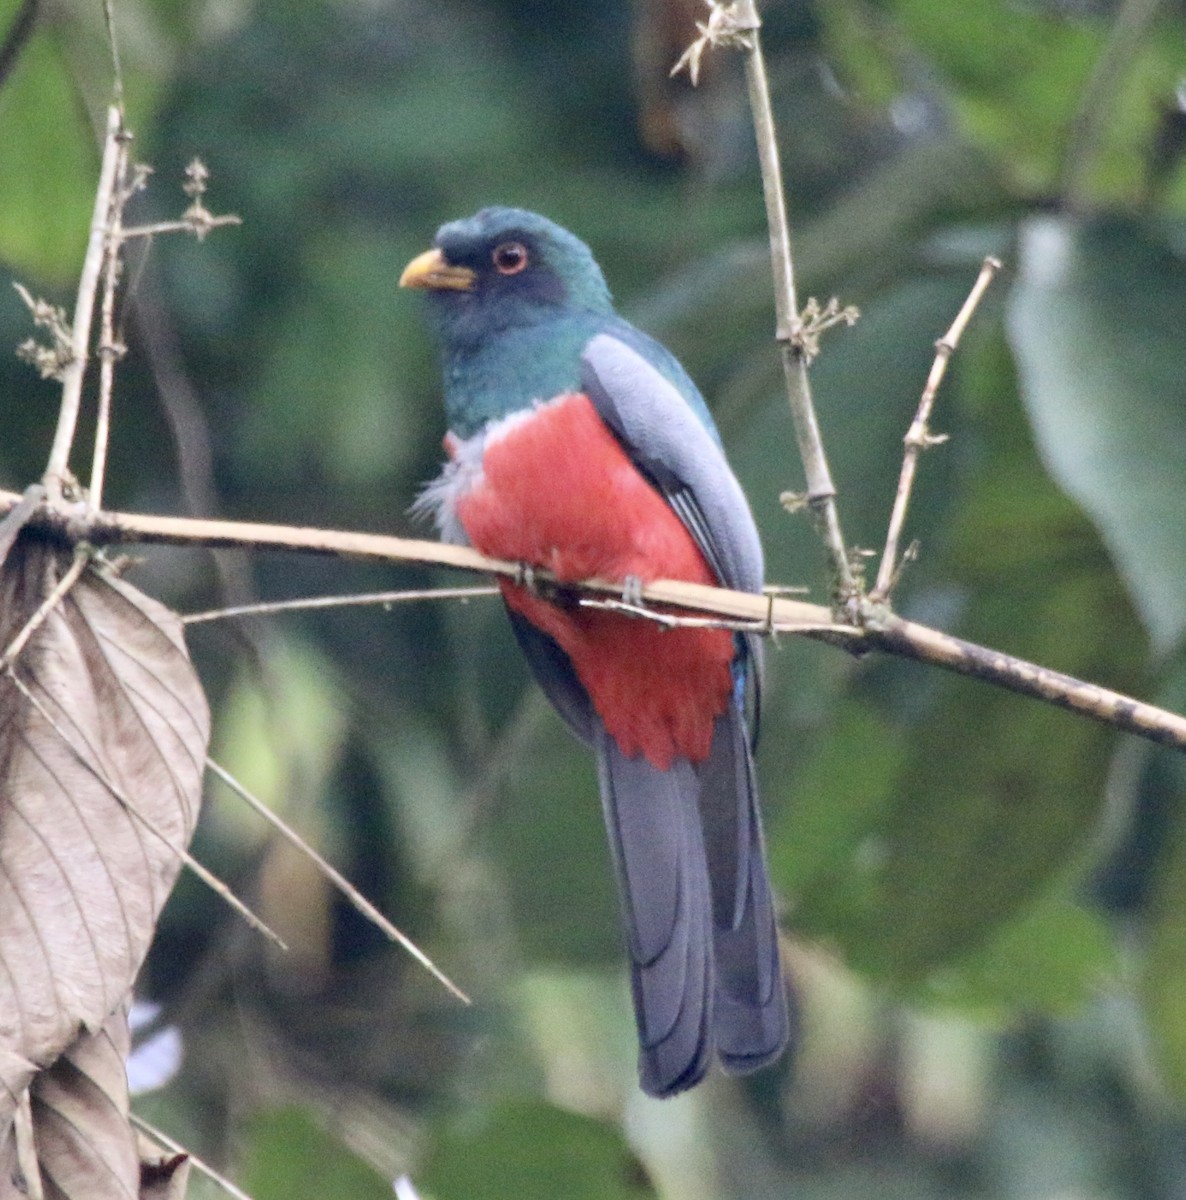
<point>557,490</point>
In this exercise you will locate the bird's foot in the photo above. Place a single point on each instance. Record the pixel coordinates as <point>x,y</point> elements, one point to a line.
<point>525,577</point>
<point>632,592</point>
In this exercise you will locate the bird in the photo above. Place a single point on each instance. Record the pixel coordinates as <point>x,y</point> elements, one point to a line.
<point>577,444</point>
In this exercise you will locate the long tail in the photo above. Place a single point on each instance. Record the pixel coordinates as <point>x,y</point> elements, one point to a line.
<point>751,1026</point>
<point>687,847</point>
<point>658,849</point>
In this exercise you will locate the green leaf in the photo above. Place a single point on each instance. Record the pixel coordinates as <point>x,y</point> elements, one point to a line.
<point>288,1156</point>
<point>533,1151</point>
<point>1051,959</point>
<point>1015,76</point>
<point>838,803</point>
<point>1096,321</point>
<point>48,165</point>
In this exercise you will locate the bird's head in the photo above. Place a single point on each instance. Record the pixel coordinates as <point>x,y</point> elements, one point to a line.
<point>503,268</point>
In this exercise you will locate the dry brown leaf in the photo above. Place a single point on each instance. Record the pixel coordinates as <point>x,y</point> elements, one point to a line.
<point>103,732</point>
<point>82,1144</point>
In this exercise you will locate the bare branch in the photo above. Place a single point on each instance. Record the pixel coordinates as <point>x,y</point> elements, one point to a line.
<point>352,894</point>
<point>88,284</point>
<point>770,613</point>
<point>66,358</point>
<point>15,519</point>
<point>911,640</point>
<point>117,73</point>
<point>110,351</point>
<point>919,437</point>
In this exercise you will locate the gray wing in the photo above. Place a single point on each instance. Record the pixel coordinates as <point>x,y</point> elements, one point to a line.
<point>668,441</point>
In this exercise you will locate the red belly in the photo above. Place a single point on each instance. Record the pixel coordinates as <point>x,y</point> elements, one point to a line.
<point>558,491</point>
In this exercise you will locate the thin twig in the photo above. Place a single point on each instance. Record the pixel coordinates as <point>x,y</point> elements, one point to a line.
<point>198,225</point>
<point>919,437</point>
<point>352,894</point>
<point>82,556</point>
<point>821,491</point>
<point>50,361</point>
<point>88,283</point>
<point>665,620</point>
<point>16,518</point>
<point>207,876</point>
<point>109,349</point>
<point>175,1147</point>
<point>269,608</point>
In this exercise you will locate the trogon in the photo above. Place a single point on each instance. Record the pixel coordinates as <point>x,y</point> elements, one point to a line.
<point>578,444</point>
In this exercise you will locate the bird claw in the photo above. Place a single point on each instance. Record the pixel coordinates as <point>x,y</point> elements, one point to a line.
<point>632,591</point>
<point>525,578</point>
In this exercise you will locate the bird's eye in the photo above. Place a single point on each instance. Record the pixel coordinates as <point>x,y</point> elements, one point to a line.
<point>509,258</point>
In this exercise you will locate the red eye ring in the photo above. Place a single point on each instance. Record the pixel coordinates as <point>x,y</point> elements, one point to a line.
<point>510,258</point>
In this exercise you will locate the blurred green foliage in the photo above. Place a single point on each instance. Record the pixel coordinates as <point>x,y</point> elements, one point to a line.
<point>984,896</point>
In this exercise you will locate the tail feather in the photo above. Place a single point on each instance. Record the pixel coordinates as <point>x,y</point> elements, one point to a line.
<point>658,852</point>
<point>751,1021</point>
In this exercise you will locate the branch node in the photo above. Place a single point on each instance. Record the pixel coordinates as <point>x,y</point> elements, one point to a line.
<point>813,321</point>
<point>726,26</point>
<point>112,351</point>
<point>919,437</point>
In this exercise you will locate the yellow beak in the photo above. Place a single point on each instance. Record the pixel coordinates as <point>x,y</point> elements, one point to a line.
<point>430,270</point>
